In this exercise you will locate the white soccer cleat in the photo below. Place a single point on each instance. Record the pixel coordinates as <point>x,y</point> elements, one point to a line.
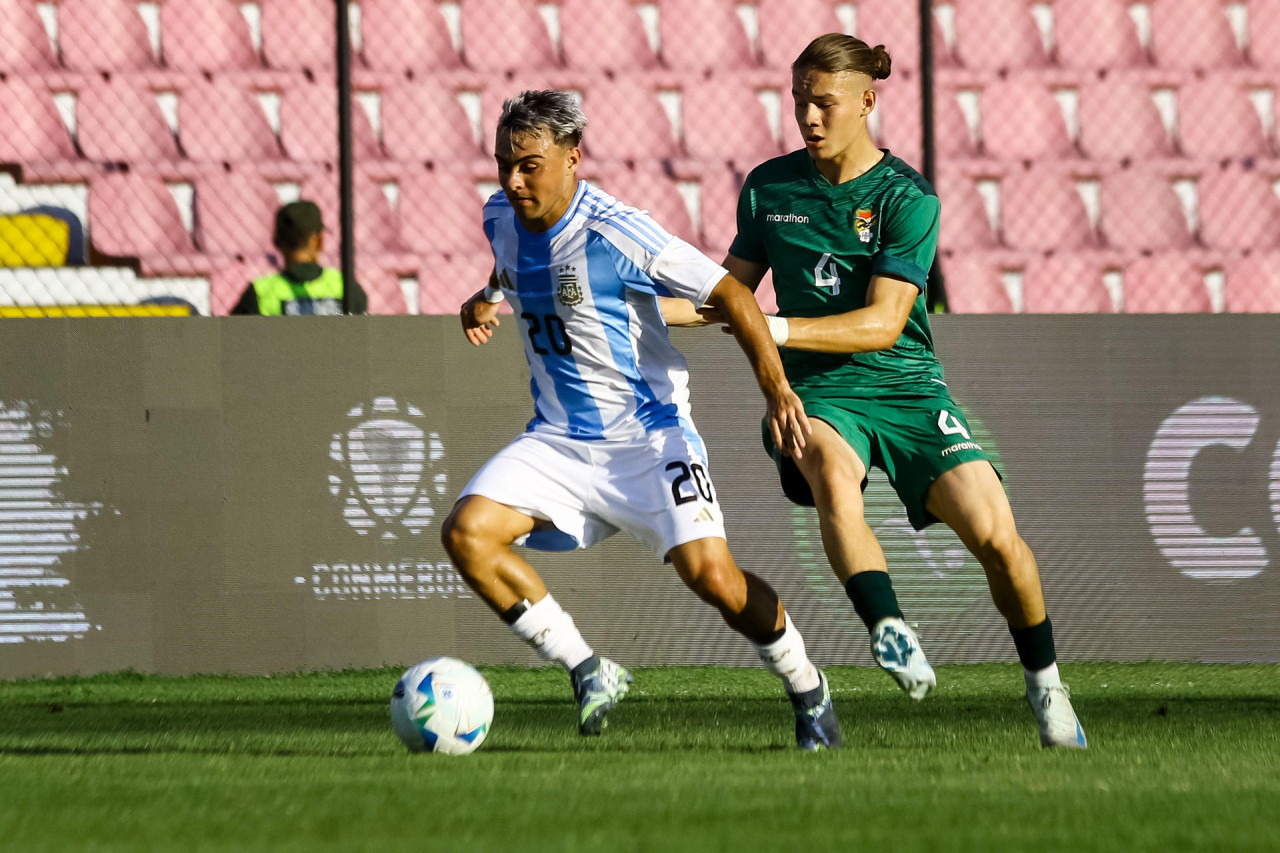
<point>1057,719</point>
<point>897,649</point>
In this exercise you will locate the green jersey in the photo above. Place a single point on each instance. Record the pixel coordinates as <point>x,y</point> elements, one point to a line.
<point>825,243</point>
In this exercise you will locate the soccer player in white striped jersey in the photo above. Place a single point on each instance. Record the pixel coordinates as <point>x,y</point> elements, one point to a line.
<point>611,445</point>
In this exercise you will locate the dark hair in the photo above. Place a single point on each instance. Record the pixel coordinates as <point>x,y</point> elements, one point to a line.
<point>837,53</point>
<point>553,110</point>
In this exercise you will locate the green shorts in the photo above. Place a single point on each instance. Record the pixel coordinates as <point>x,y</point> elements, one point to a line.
<point>913,438</point>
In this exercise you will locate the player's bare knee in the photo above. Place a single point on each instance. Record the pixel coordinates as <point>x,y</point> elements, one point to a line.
<point>712,581</point>
<point>997,547</point>
<point>463,536</point>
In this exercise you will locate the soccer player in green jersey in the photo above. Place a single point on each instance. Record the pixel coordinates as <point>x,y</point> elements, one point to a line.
<point>850,232</point>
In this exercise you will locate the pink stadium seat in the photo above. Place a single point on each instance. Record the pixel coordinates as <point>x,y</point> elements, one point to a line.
<point>1119,120</point>
<point>377,228</point>
<point>1022,121</point>
<point>24,45</point>
<point>135,216</point>
<point>1239,210</point>
<point>33,130</point>
<point>653,191</point>
<point>1216,120</point>
<point>309,125</point>
<point>965,226</point>
<point>119,123</point>
<point>1165,284</point>
<point>951,136</point>
<point>627,122</point>
<point>1065,284</point>
<point>205,35</point>
<point>1253,284</point>
<point>103,35</point>
<point>1193,34</point>
<point>441,212</point>
<point>787,26</point>
<point>998,35</point>
<point>505,35</point>
<point>901,131</point>
<point>718,207</point>
<point>766,296</point>
<point>1041,209</point>
<point>221,122</point>
<point>1264,33</point>
<point>228,281</point>
<point>1141,211</point>
<point>896,24</point>
<point>975,284</point>
<point>235,214</point>
<point>747,142</point>
<point>406,35</point>
<point>446,281</point>
<point>604,35</point>
<point>425,122</point>
<point>300,35</point>
<point>382,287</point>
<point>1091,35</point>
<point>703,35</point>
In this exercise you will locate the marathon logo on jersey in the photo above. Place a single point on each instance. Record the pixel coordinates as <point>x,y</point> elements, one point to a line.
<point>863,219</point>
<point>569,292</point>
<point>786,217</point>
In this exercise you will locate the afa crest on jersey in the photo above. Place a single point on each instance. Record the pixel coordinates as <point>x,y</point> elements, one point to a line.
<point>863,220</point>
<point>569,291</point>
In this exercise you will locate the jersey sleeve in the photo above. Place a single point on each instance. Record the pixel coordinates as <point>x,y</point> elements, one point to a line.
<point>650,260</point>
<point>908,241</point>
<point>749,242</point>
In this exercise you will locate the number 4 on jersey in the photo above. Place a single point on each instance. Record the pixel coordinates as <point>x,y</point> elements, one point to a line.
<point>950,425</point>
<point>827,274</point>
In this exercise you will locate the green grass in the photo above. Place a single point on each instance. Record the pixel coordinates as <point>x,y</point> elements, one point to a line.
<point>1181,757</point>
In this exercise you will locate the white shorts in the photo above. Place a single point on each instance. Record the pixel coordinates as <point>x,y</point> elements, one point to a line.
<point>655,487</point>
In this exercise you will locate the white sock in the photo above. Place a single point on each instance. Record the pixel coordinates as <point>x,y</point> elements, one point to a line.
<point>552,634</point>
<point>787,659</point>
<point>1042,678</point>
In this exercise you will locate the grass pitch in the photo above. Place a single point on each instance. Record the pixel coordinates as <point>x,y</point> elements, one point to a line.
<point>1181,757</point>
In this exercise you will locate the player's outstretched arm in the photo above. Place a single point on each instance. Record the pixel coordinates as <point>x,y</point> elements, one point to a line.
<point>787,421</point>
<point>680,312</point>
<point>874,327</point>
<point>480,313</point>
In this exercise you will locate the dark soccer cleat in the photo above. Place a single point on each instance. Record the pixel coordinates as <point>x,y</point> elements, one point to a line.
<point>598,685</point>
<point>816,724</point>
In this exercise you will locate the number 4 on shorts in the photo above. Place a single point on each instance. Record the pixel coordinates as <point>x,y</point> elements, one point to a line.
<point>950,425</point>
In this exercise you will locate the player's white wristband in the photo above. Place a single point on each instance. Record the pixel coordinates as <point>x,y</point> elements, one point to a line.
<point>493,294</point>
<point>779,328</point>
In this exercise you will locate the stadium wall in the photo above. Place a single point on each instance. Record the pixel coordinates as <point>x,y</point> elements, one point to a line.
<point>263,496</point>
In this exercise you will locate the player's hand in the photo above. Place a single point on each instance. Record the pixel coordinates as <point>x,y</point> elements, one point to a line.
<point>479,319</point>
<point>788,424</point>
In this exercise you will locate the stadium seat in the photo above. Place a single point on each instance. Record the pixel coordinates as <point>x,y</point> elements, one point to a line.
<point>900,127</point>
<point>787,26</point>
<point>896,24</point>
<point>235,214</point>
<point>1093,35</point>
<point>382,288</point>
<point>220,122</point>
<point>228,281</point>
<point>103,35</point>
<point>206,35</point>
<point>24,45</point>
<point>1141,211</point>
<point>406,35</point>
<point>604,35</point>
<point>446,281</point>
<point>952,136</point>
<point>1264,34</point>
<point>1216,120</point>
<point>1193,34</point>
<point>116,122</point>
<point>998,35</point>
<point>1239,210</point>
<point>300,35</point>
<point>424,121</point>
<point>441,212</point>
<point>1169,283</point>
<point>703,35</point>
<point>377,230</point>
<point>651,190</point>
<point>33,130</point>
<point>1065,284</point>
<point>1119,121</point>
<point>1253,284</point>
<point>965,226</point>
<point>975,284</point>
<point>745,140</point>
<point>505,35</point>
<point>1021,120</point>
<point>1041,209</point>
<point>132,215</point>
<point>627,122</point>
<point>309,126</point>
<point>718,209</point>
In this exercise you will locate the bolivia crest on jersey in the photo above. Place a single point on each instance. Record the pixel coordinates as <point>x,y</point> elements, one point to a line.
<point>863,219</point>
<point>569,291</point>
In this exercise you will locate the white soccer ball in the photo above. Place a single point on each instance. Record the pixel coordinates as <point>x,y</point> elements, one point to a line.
<point>442,705</point>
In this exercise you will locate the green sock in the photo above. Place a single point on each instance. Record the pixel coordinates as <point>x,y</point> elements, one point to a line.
<point>872,597</point>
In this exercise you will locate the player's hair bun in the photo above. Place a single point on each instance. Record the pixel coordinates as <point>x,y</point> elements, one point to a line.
<point>881,63</point>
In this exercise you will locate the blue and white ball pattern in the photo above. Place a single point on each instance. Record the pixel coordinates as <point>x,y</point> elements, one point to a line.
<point>442,705</point>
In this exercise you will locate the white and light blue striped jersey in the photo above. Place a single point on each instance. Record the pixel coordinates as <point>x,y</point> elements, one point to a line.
<point>585,293</point>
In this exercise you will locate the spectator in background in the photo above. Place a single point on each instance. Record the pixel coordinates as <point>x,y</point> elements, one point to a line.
<point>303,286</point>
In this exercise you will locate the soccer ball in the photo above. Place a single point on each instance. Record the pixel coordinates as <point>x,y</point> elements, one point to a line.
<point>442,705</point>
